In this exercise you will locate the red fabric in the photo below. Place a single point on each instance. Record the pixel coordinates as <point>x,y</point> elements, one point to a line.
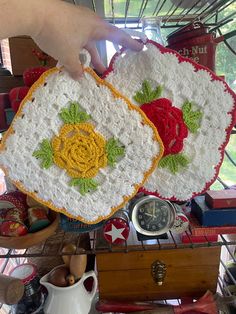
<point>17,94</point>
<point>169,122</point>
<point>31,75</point>
<point>206,304</point>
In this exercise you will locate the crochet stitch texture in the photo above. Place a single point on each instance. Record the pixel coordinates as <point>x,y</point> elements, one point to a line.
<point>193,110</point>
<point>77,147</point>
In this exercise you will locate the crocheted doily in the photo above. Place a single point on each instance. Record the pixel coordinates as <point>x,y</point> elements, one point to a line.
<point>192,109</point>
<point>77,147</point>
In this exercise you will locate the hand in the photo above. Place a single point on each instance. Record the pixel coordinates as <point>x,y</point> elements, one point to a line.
<point>66,29</point>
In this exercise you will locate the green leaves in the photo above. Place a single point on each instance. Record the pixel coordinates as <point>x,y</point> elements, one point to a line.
<point>147,94</point>
<point>85,185</point>
<point>74,114</point>
<point>45,153</point>
<point>114,150</point>
<point>174,162</point>
<point>191,118</point>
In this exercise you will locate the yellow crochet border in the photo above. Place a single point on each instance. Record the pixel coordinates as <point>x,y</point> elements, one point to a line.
<point>116,94</point>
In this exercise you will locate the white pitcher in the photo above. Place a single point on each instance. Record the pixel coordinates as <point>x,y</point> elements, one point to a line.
<point>74,299</point>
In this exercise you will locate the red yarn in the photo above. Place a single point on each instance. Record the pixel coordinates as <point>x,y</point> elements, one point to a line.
<point>169,122</point>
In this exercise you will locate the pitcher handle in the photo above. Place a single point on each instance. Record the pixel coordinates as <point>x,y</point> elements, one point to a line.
<point>91,273</point>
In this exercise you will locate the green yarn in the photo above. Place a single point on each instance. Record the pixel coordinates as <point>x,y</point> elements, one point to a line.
<point>85,185</point>
<point>45,153</point>
<point>74,114</point>
<point>174,162</point>
<point>147,94</point>
<point>191,118</point>
<point>114,150</point>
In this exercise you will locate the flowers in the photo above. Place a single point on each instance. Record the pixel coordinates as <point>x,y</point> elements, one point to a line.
<point>173,124</point>
<point>79,150</point>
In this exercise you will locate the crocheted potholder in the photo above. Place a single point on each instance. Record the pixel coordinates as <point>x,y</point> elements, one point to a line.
<point>77,147</point>
<point>192,109</point>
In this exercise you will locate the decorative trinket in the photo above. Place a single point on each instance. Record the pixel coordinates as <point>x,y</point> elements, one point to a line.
<point>152,216</point>
<point>13,223</point>
<point>38,218</point>
<point>33,297</point>
<point>181,223</point>
<point>116,229</point>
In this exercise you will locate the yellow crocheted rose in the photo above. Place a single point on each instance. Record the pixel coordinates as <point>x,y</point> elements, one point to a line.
<point>79,150</point>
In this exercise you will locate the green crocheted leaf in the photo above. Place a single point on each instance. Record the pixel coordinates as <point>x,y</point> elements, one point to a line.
<point>114,150</point>
<point>174,162</point>
<point>45,153</point>
<point>85,185</point>
<point>74,114</point>
<point>147,94</point>
<point>191,118</point>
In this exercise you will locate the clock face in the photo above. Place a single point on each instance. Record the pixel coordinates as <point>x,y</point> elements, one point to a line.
<point>152,216</point>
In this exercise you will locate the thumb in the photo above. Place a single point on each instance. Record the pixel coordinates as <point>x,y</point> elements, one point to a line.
<point>73,66</point>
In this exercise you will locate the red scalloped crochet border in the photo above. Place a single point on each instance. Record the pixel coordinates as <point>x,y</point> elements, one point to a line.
<point>214,78</point>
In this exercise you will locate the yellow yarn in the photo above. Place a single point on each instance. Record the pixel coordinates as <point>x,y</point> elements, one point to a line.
<point>79,150</point>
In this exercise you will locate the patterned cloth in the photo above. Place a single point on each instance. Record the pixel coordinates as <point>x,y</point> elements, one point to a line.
<point>192,109</point>
<point>78,147</point>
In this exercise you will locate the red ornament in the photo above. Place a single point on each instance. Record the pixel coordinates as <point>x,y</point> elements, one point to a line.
<point>16,95</point>
<point>116,230</point>
<point>169,122</point>
<point>31,75</point>
<point>41,56</point>
<point>12,229</point>
<point>13,199</point>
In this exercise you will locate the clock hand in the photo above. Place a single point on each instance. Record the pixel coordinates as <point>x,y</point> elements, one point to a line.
<point>147,214</point>
<point>153,209</point>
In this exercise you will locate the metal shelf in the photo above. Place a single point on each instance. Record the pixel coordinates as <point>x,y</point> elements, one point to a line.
<point>98,245</point>
<point>174,13</point>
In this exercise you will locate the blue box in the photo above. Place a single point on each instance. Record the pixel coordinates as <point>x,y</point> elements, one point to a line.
<point>212,217</point>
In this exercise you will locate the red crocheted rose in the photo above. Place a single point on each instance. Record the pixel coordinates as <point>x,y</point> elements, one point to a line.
<point>169,122</point>
<point>172,124</point>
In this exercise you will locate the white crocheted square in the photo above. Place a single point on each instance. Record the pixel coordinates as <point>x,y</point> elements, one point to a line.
<point>77,147</point>
<point>192,109</point>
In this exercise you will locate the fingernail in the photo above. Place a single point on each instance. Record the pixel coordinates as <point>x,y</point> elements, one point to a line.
<point>77,76</point>
<point>141,45</point>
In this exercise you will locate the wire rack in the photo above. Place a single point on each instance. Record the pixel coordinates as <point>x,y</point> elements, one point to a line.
<point>98,245</point>
<point>174,13</point>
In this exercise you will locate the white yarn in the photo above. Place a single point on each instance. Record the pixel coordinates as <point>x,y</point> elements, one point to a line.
<point>181,82</point>
<point>111,116</point>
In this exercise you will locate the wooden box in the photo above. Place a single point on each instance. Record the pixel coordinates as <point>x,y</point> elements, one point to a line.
<point>128,276</point>
<point>20,50</point>
<point>221,199</point>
